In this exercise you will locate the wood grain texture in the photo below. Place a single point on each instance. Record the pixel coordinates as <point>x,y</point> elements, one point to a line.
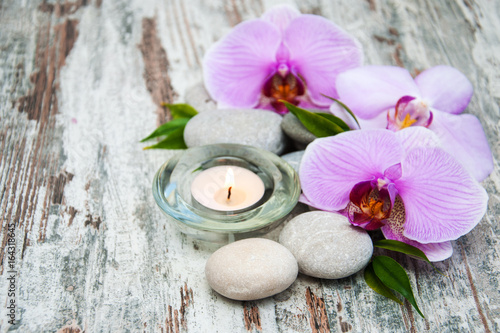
<point>156,69</point>
<point>82,82</point>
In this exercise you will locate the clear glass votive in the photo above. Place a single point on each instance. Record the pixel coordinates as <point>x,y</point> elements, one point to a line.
<point>172,192</point>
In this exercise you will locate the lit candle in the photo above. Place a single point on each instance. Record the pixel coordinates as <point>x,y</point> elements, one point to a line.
<point>227,188</point>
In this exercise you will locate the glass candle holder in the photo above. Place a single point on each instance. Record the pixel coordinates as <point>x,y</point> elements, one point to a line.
<point>172,190</point>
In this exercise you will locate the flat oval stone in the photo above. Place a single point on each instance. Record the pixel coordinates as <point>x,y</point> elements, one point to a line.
<point>251,269</point>
<point>326,245</point>
<point>259,128</point>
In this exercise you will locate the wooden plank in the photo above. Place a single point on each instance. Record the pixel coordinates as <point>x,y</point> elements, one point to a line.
<point>82,82</point>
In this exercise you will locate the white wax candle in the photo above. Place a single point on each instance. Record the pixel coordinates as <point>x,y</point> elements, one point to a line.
<point>211,188</point>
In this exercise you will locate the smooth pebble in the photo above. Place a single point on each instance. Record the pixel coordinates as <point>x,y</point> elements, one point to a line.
<point>294,159</point>
<point>199,98</point>
<point>296,131</point>
<point>259,128</point>
<point>251,269</point>
<point>326,245</point>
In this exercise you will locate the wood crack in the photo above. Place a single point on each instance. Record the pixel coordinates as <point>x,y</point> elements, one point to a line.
<point>94,222</point>
<point>474,292</point>
<point>62,9</point>
<point>372,5</point>
<point>173,323</point>
<point>189,34</point>
<point>156,68</point>
<point>232,13</point>
<point>319,318</point>
<point>251,316</point>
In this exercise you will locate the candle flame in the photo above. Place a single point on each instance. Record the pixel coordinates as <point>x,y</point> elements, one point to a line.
<point>229,178</point>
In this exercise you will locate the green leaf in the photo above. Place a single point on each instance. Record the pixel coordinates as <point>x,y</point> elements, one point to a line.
<point>167,128</point>
<point>374,282</point>
<point>345,108</point>
<point>412,251</point>
<point>181,110</point>
<point>335,119</point>
<point>316,124</point>
<point>175,140</point>
<point>394,276</point>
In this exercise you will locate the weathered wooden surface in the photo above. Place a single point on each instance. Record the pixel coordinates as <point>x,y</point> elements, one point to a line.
<point>81,83</point>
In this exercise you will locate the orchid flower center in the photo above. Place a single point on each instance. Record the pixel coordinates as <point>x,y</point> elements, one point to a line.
<point>283,85</point>
<point>382,183</point>
<point>374,208</point>
<point>409,111</point>
<point>370,205</point>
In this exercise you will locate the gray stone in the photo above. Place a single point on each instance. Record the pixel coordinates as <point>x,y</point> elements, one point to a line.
<point>326,245</point>
<point>259,128</point>
<point>296,131</point>
<point>294,159</point>
<point>251,269</point>
<point>198,97</point>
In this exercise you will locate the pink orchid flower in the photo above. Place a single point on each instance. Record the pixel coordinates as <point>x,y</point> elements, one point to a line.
<point>401,182</point>
<point>283,55</point>
<point>388,97</point>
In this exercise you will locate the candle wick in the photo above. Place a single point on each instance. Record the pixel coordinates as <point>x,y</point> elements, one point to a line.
<point>229,192</point>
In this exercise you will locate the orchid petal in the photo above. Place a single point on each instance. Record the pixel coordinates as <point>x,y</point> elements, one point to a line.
<point>417,136</point>
<point>319,51</point>
<point>236,67</point>
<point>365,222</point>
<point>394,229</point>
<point>303,199</point>
<point>393,172</point>
<point>463,137</point>
<point>281,16</point>
<point>371,90</point>
<point>445,88</point>
<point>393,192</point>
<point>379,121</point>
<point>442,201</point>
<point>359,191</point>
<point>433,251</point>
<point>331,166</point>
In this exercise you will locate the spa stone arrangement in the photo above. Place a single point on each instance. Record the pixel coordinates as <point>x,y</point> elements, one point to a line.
<point>316,243</point>
<point>319,244</point>
<point>374,148</point>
